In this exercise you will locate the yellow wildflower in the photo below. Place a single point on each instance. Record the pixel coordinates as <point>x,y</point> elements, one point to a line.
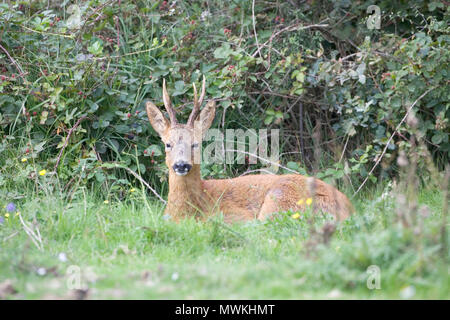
<point>7,215</point>
<point>295,216</point>
<point>24,160</point>
<point>106,201</point>
<point>17,213</point>
<point>43,172</point>
<point>132,190</point>
<point>309,201</point>
<point>300,202</point>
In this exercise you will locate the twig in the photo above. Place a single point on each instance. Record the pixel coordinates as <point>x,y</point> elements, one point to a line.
<point>345,148</point>
<point>289,28</point>
<point>21,73</point>
<point>265,160</point>
<point>139,178</point>
<point>390,139</point>
<point>145,184</point>
<point>36,239</point>
<point>254,30</point>
<point>67,141</point>
<point>294,27</point>
<point>11,236</point>
<point>273,94</point>
<point>116,18</point>
<point>90,15</point>
<point>69,36</point>
<point>445,213</point>
<point>300,123</point>
<point>256,170</point>
<point>128,54</point>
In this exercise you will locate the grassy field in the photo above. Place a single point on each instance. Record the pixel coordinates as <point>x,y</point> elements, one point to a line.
<point>129,249</point>
<point>75,77</point>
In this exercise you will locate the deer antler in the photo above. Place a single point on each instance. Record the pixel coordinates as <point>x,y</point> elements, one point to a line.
<point>197,103</point>
<point>168,105</point>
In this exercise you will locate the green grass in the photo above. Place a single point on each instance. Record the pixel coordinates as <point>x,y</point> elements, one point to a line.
<point>129,250</point>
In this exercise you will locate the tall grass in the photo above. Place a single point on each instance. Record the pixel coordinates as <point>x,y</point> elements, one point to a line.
<point>129,249</point>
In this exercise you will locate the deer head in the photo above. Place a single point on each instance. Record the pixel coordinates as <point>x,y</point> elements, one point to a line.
<point>182,141</point>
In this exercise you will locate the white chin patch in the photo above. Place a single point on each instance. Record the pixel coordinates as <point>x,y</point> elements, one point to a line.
<point>179,173</point>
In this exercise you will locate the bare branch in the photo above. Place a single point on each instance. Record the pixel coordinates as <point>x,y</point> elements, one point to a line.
<point>67,141</point>
<point>390,139</point>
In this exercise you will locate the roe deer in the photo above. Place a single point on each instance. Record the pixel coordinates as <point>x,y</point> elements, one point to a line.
<point>243,198</point>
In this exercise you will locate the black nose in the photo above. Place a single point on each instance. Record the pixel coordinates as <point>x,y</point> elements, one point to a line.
<point>182,167</point>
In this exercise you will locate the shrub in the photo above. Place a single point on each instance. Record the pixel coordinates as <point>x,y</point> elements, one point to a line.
<point>75,78</point>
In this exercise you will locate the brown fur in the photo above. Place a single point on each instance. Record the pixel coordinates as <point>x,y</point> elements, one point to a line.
<point>250,197</point>
<point>239,199</point>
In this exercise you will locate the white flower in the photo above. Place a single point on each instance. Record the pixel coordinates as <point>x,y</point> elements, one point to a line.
<point>205,14</point>
<point>407,292</point>
<point>62,257</point>
<point>41,271</point>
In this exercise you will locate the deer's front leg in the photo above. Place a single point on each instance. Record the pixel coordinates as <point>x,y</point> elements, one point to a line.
<point>272,203</point>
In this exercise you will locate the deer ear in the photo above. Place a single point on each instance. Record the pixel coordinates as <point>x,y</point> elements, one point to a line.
<point>206,117</point>
<point>157,119</point>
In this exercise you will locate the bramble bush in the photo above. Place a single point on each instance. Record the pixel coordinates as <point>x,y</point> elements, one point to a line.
<point>75,78</point>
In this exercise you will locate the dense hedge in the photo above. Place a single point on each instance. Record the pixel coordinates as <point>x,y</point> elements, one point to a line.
<point>336,88</point>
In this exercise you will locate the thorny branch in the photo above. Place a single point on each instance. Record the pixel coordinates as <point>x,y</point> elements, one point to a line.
<point>67,141</point>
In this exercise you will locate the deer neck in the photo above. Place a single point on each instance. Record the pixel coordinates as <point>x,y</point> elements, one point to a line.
<point>186,194</point>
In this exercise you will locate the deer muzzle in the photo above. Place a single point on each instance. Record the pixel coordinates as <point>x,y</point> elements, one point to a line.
<point>182,168</point>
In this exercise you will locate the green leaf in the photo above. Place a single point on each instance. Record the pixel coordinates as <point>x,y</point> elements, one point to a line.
<point>437,138</point>
<point>122,128</point>
<point>39,147</point>
<point>292,165</point>
<point>155,149</point>
<point>100,176</point>
<point>96,48</point>
<point>179,88</point>
<point>44,116</point>
<point>268,120</point>
<point>74,20</point>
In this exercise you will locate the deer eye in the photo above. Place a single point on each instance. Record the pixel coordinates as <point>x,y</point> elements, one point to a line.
<point>194,145</point>
<point>168,146</point>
